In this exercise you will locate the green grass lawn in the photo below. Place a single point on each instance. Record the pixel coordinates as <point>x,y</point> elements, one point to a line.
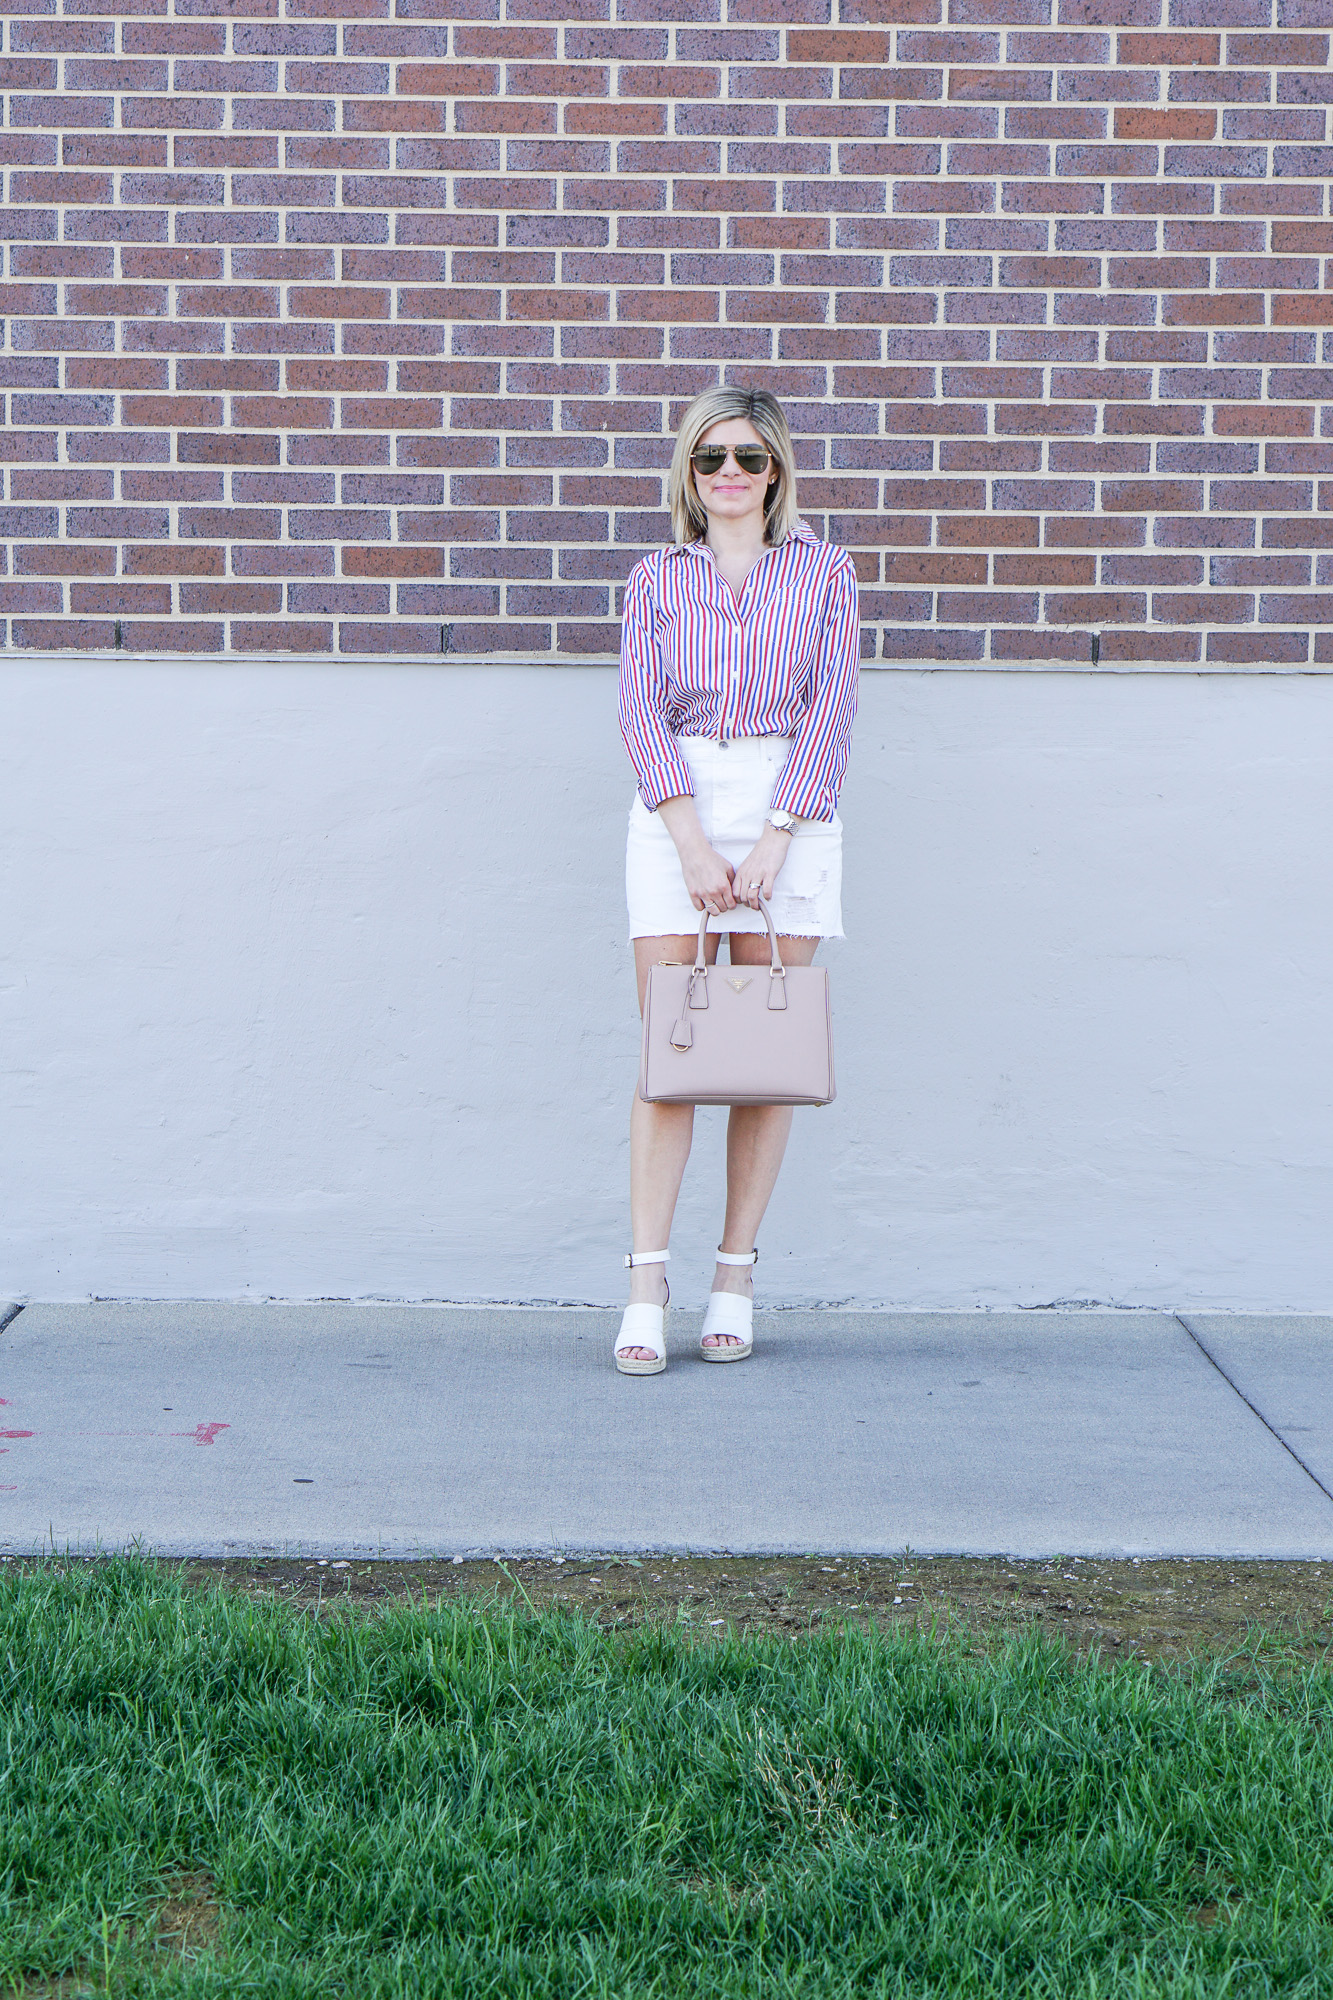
<point>208,1794</point>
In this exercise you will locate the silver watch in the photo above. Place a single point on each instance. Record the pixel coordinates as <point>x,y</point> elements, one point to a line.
<point>783,821</point>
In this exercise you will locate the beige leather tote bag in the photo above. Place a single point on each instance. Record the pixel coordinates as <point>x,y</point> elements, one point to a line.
<point>737,1034</point>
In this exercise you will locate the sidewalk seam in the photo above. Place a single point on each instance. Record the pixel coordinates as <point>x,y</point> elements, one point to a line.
<point>7,1319</point>
<point>1208,1355</point>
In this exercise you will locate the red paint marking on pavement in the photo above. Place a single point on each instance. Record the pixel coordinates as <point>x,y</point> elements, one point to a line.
<point>202,1433</point>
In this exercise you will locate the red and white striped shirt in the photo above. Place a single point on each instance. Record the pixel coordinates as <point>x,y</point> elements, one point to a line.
<point>780,662</point>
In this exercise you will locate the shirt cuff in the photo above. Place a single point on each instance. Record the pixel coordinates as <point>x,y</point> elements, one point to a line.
<point>664,781</point>
<point>810,802</point>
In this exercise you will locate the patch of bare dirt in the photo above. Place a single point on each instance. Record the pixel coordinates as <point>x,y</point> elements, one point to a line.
<point>186,1920</point>
<point>1161,1610</point>
<point>189,1919</point>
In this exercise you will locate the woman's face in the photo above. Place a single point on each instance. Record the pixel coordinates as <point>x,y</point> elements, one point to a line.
<point>731,494</point>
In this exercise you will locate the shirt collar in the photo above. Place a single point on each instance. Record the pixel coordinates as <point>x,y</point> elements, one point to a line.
<point>800,533</point>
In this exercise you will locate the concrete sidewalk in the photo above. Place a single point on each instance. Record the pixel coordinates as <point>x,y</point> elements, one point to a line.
<point>223,1429</point>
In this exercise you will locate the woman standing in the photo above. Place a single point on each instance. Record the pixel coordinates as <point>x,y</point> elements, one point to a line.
<point>738,673</point>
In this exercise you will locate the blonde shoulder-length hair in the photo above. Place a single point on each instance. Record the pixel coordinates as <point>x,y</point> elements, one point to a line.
<point>689,522</point>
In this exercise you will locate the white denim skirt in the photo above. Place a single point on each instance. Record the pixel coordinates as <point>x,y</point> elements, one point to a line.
<point>734,783</point>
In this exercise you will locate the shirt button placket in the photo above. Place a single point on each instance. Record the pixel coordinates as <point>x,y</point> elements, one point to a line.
<point>730,693</point>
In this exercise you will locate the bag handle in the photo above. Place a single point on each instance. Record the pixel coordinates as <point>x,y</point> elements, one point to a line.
<point>696,987</point>
<point>777,970</point>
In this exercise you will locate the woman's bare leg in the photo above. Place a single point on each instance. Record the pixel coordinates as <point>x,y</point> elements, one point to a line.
<point>659,1146</point>
<point>757,1137</point>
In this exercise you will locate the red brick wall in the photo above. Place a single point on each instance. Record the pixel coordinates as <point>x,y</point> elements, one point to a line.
<point>334,330</point>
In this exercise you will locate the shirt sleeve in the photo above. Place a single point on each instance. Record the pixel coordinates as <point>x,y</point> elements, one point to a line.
<point>661,770</point>
<point>814,770</point>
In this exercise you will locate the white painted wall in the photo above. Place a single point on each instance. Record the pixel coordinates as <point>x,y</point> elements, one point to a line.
<point>313,982</point>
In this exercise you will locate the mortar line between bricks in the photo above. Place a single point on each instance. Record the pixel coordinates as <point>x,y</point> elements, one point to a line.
<point>7,1319</point>
<point>1271,1429</point>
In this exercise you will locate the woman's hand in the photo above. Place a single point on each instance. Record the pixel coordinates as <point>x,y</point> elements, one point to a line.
<point>762,865</point>
<point>708,877</point>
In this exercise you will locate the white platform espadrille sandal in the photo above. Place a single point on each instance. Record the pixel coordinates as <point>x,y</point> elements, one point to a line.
<point>643,1326</point>
<point>729,1313</point>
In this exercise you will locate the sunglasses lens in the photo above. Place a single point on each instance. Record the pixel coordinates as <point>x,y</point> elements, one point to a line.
<point>751,458</point>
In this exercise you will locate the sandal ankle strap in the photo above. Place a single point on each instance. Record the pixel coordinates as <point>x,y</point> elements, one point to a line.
<point>726,1257</point>
<point>647,1257</point>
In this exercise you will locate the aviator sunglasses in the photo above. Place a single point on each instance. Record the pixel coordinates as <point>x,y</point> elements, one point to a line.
<point>710,458</point>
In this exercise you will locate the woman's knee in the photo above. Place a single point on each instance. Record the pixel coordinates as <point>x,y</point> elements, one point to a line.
<point>752,948</point>
<point>651,951</point>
